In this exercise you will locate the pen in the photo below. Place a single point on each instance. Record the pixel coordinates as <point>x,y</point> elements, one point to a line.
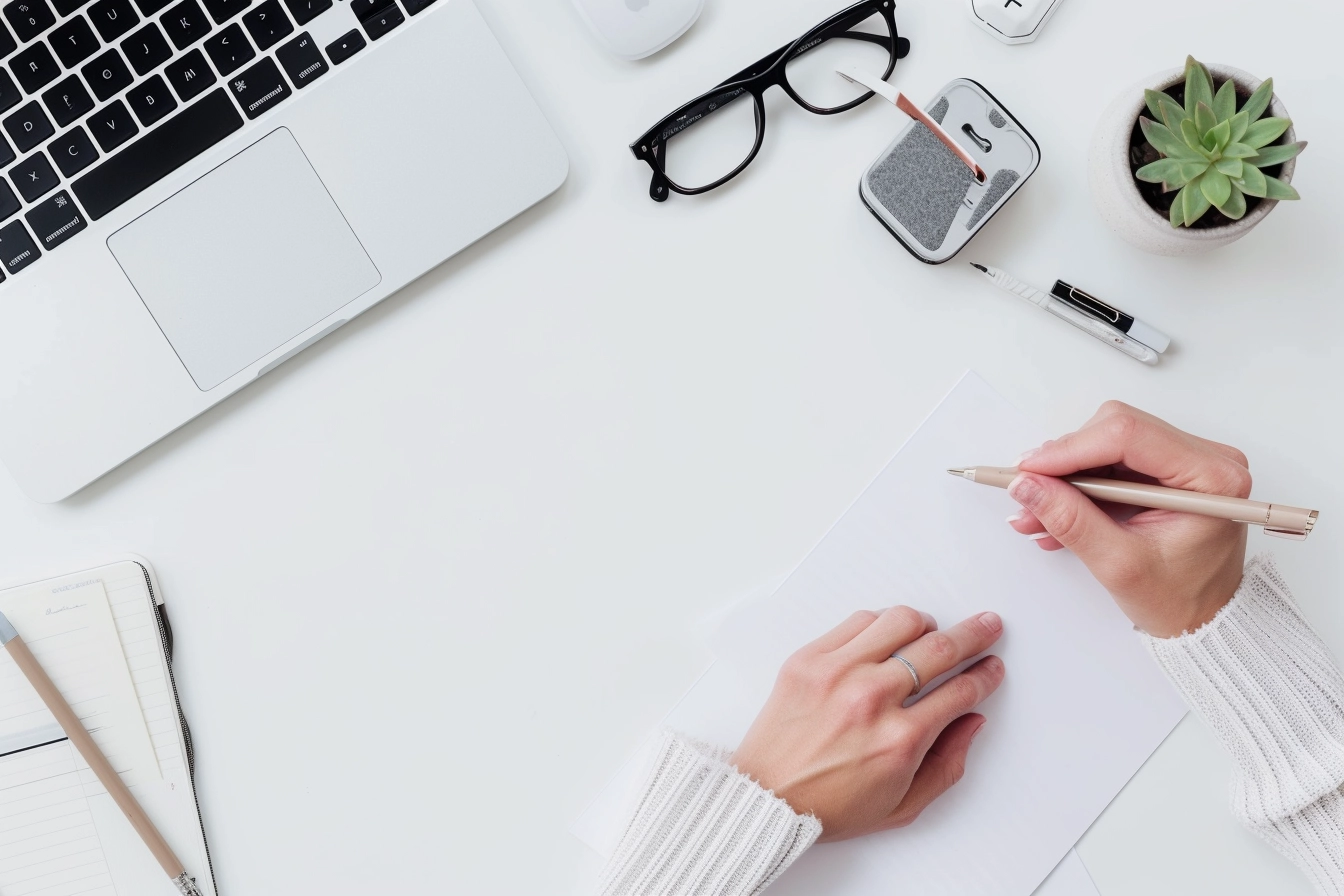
<point>1278,519</point>
<point>107,776</point>
<point>1088,324</point>
<point>1128,324</point>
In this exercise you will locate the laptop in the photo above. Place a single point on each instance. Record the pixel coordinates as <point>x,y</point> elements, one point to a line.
<point>193,191</point>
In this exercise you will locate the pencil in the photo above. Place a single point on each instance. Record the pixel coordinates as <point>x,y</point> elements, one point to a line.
<point>107,776</point>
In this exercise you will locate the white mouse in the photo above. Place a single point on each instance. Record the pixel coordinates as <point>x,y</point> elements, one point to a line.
<point>633,29</point>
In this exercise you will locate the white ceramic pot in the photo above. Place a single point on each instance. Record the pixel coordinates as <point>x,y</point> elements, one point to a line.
<point>1117,197</point>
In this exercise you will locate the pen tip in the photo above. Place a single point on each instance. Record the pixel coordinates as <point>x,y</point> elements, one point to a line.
<point>979,267</point>
<point>957,472</point>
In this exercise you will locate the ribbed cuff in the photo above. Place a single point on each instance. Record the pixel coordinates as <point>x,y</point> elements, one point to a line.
<point>703,827</point>
<point>1268,687</point>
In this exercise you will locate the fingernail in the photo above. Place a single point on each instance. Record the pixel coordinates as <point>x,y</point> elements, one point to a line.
<point>976,732</point>
<point>1025,455</point>
<point>1015,518</point>
<point>1026,491</point>
<point>991,621</point>
<point>992,664</point>
<point>1038,536</point>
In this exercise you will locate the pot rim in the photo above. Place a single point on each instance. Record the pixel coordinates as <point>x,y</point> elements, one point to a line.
<point>1120,153</point>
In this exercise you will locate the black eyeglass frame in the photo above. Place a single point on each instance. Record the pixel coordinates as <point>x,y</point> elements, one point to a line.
<point>756,80</point>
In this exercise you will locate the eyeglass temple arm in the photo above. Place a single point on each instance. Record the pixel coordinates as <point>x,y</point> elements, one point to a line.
<point>840,29</point>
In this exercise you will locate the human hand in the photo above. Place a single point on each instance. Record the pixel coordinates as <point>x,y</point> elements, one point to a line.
<point>834,740</point>
<point>1169,572</point>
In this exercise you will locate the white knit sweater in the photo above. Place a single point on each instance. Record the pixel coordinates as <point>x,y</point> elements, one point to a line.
<point>1257,674</point>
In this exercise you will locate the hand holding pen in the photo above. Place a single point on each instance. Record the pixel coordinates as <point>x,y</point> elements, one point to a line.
<point>1169,572</point>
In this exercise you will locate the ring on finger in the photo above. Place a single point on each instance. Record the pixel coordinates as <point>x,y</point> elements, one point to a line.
<point>911,668</point>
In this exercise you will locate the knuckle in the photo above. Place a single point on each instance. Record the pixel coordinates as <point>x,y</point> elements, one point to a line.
<point>1066,524</point>
<point>1126,574</point>
<point>1122,425</point>
<point>907,617</point>
<point>1111,408</point>
<point>953,771</point>
<point>964,690</point>
<point>940,647</point>
<point>863,701</point>
<point>1237,481</point>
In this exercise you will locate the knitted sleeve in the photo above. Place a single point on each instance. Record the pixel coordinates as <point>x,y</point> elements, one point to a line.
<point>1265,683</point>
<point>702,827</point>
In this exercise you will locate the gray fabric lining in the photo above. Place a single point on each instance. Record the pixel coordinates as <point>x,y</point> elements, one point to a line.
<point>939,110</point>
<point>921,184</point>
<point>1003,182</point>
<point>996,119</point>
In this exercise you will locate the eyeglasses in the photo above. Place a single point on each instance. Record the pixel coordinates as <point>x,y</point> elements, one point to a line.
<point>711,139</point>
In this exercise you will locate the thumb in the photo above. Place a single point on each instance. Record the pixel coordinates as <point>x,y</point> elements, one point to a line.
<point>1069,516</point>
<point>942,767</point>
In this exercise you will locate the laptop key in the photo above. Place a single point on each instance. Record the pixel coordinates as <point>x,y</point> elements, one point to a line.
<point>151,100</point>
<point>147,7</point>
<point>185,24</point>
<point>302,60</point>
<point>268,24</point>
<point>67,100</point>
<point>7,154</point>
<point>146,49</point>
<point>107,75</point>
<point>73,151</point>
<point>9,91</point>
<point>29,18</point>
<point>345,46</point>
<point>55,220</point>
<point>34,176</point>
<point>113,18</point>
<point>7,42</point>
<point>157,154</point>
<point>229,49</point>
<point>66,7</point>
<point>9,203</point>
<point>112,126</point>
<point>259,88</point>
<point>17,249</point>
<point>28,126</point>
<point>223,10</point>
<point>304,11</point>
<point>415,7</point>
<point>74,42</point>
<point>190,75</point>
<point>34,68</point>
<point>383,21</point>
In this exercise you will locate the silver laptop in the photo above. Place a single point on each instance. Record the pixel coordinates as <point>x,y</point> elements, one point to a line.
<point>193,191</point>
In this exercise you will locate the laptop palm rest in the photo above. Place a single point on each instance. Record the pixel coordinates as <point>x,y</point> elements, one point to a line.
<point>244,259</point>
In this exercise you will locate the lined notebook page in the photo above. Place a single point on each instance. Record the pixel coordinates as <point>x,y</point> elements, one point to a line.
<point>60,833</point>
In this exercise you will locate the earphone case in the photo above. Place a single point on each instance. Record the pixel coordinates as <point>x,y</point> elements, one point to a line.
<point>927,197</point>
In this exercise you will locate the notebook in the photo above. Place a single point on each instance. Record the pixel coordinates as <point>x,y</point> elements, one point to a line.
<point>1080,710</point>
<point>103,637</point>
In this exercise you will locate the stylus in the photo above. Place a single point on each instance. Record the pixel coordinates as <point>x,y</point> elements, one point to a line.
<point>107,776</point>
<point>1067,313</point>
<point>1278,519</point>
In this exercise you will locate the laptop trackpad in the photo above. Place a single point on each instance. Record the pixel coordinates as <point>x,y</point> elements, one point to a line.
<point>244,259</point>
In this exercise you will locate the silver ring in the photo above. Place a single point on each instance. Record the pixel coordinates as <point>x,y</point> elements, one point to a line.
<point>911,666</point>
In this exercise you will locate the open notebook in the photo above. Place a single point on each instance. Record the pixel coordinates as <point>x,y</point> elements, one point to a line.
<point>102,637</point>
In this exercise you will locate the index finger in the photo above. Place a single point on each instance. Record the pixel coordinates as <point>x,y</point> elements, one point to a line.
<point>1146,445</point>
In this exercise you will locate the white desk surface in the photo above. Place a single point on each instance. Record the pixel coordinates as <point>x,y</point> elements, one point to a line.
<point>434,579</point>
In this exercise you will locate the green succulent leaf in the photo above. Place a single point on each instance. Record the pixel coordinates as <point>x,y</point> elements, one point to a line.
<point>1191,136</point>
<point>1235,206</point>
<point>1204,118</point>
<point>1238,151</point>
<point>1252,181</point>
<point>1167,143</point>
<point>1165,109</point>
<point>1278,189</point>
<point>1177,212</point>
<point>1172,173</point>
<point>1259,101</point>
<point>1225,100</point>
<point>1220,136</point>
<point>1265,131</point>
<point>1240,122</point>
<point>1215,186</point>
<point>1231,167</point>
<point>1277,155</point>
<point>1198,85</point>
<point>1193,201</point>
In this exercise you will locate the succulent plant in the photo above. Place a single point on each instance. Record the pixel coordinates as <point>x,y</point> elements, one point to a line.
<point>1213,151</point>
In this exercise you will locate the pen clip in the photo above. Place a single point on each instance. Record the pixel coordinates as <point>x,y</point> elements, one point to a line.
<point>1290,534</point>
<point>1084,301</point>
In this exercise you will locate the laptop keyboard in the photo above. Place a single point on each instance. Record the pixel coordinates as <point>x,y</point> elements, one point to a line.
<point>100,100</point>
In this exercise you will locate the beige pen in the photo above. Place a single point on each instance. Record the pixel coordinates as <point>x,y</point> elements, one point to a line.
<point>107,776</point>
<point>1278,519</point>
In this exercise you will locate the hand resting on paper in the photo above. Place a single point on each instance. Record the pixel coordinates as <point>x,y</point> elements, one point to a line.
<point>1170,572</point>
<point>835,741</point>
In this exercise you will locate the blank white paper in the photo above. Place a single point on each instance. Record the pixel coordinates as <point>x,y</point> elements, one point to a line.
<point>1082,705</point>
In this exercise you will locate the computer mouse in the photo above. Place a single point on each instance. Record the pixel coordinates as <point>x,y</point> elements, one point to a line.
<point>633,29</point>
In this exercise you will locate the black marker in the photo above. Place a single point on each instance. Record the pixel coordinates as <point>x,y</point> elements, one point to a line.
<point>1128,324</point>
